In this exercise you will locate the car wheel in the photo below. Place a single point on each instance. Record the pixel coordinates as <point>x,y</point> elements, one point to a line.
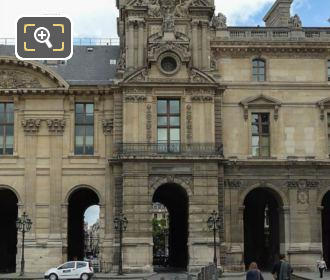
<point>53,276</point>
<point>84,276</point>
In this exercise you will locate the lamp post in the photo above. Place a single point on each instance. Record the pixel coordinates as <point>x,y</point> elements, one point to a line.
<point>213,223</point>
<point>23,224</point>
<point>120,225</point>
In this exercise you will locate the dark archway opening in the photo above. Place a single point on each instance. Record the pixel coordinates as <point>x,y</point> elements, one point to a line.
<point>175,199</point>
<point>8,232</point>
<point>79,201</point>
<point>261,228</point>
<point>326,228</point>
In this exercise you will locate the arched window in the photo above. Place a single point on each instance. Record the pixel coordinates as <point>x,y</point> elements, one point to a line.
<point>259,70</point>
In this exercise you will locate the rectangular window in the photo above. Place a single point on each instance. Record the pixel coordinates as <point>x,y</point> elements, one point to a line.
<point>329,133</point>
<point>84,129</point>
<point>328,70</point>
<point>258,70</point>
<point>260,135</point>
<point>6,128</point>
<point>168,125</point>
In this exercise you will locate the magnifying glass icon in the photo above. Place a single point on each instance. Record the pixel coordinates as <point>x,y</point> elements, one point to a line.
<point>41,35</point>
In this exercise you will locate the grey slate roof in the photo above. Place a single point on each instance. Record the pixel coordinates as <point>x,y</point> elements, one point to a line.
<point>85,67</point>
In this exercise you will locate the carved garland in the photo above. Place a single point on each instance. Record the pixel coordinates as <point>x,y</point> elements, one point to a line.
<point>189,123</point>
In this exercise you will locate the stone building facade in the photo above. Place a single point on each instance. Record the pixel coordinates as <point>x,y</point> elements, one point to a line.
<point>196,115</point>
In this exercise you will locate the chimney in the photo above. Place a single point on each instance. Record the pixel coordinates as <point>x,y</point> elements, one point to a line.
<point>279,14</point>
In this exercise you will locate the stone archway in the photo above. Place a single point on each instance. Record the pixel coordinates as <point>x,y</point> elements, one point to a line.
<point>263,227</point>
<point>78,201</point>
<point>175,198</point>
<point>8,233</point>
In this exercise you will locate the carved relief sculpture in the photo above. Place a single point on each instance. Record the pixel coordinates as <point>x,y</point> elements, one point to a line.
<point>219,21</point>
<point>17,79</point>
<point>31,125</point>
<point>56,125</point>
<point>107,126</point>
<point>295,21</point>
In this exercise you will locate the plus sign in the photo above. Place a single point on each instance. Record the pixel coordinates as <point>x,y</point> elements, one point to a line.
<point>42,34</point>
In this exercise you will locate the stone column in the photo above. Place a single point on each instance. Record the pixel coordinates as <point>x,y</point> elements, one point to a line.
<point>205,54</point>
<point>130,44</point>
<point>64,216</point>
<point>140,58</point>
<point>287,233</point>
<point>194,25</point>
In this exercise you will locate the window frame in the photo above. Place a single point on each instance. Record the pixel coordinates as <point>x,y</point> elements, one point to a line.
<point>260,134</point>
<point>5,126</point>
<point>328,69</point>
<point>85,124</point>
<point>169,143</point>
<point>256,77</point>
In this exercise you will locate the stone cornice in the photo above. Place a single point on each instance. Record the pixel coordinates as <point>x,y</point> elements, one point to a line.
<point>48,91</point>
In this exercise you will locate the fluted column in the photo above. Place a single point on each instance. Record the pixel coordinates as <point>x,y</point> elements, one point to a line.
<point>140,58</point>
<point>195,43</point>
<point>130,44</point>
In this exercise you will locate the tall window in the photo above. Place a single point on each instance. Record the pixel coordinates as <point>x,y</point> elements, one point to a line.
<point>6,128</point>
<point>259,70</point>
<point>260,135</point>
<point>84,129</point>
<point>329,133</point>
<point>168,125</point>
<point>329,70</point>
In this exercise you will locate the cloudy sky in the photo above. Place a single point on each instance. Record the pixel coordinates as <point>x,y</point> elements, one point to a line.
<point>92,214</point>
<point>97,18</point>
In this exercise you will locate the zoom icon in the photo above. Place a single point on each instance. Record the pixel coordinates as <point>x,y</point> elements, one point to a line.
<point>44,37</point>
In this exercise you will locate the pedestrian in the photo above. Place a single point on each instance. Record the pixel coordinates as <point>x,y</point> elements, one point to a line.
<point>321,265</point>
<point>282,270</point>
<point>253,272</point>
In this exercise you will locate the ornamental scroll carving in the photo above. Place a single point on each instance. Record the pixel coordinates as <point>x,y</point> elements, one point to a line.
<point>149,123</point>
<point>233,184</point>
<point>303,187</point>
<point>31,125</point>
<point>17,79</point>
<point>107,126</point>
<point>189,123</point>
<point>56,125</point>
<point>135,98</point>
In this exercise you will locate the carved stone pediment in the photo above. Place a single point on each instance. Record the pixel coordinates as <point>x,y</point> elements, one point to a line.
<point>138,76</point>
<point>17,79</point>
<point>197,76</point>
<point>15,74</point>
<point>323,104</point>
<point>261,101</point>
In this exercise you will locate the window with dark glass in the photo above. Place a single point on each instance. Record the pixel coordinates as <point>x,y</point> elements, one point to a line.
<point>259,70</point>
<point>329,133</point>
<point>260,135</point>
<point>329,70</point>
<point>168,125</point>
<point>84,129</point>
<point>6,128</point>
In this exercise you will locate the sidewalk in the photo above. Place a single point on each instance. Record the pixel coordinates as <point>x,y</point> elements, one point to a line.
<point>313,275</point>
<point>38,276</point>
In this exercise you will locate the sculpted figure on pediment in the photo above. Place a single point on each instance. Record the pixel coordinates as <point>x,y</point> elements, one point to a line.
<point>17,79</point>
<point>219,21</point>
<point>295,21</point>
<point>154,8</point>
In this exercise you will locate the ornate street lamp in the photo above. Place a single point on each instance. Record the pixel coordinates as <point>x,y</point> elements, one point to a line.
<point>23,224</point>
<point>120,225</point>
<point>214,223</point>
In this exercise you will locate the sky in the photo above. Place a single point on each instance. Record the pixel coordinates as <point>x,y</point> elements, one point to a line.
<point>91,215</point>
<point>97,18</point>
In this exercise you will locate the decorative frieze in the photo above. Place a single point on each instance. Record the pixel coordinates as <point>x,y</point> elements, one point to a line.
<point>149,123</point>
<point>233,184</point>
<point>56,125</point>
<point>189,123</point>
<point>107,126</point>
<point>202,98</point>
<point>135,98</point>
<point>303,184</point>
<point>31,125</point>
<point>17,79</point>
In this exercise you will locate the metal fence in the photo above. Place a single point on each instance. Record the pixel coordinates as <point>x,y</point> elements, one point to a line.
<point>153,149</point>
<point>76,41</point>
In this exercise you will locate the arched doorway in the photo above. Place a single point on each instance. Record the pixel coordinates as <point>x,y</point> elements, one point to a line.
<point>326,227</point>
<point>175,199</point>
<point>79,201</point>
<point>8,232</point>
<point>262,227</point>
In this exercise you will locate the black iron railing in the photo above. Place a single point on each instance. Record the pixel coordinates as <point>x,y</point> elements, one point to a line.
<point>180,149</point>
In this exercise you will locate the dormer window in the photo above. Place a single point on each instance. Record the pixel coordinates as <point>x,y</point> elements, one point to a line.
<point>258,70</point>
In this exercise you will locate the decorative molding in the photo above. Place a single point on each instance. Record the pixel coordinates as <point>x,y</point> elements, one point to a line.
<point>17,79</point>
<point>149,123</point>
<point>189,123</point>
<point>202,98</point>
<point>303,184</point>
<point>139,76</point>
<point>260,101</point>
<point>31,125</point>
<point>135,98</point>
<point>56,125</point>
<point>197,76</point>
<point>107,126</point>
<point>233,184</point>
<point>323,104</point>
<point>184,181</point>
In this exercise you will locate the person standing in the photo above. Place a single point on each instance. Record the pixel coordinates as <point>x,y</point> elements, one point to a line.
<point>321,265</point>
<point>282,270</point>
<point>253,272</point>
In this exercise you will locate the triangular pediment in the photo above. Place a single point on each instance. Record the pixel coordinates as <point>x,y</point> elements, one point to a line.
<point>17,74</point>
<point>260,100</point>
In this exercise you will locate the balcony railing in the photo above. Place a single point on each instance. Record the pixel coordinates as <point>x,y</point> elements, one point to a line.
<point>175,149</point>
